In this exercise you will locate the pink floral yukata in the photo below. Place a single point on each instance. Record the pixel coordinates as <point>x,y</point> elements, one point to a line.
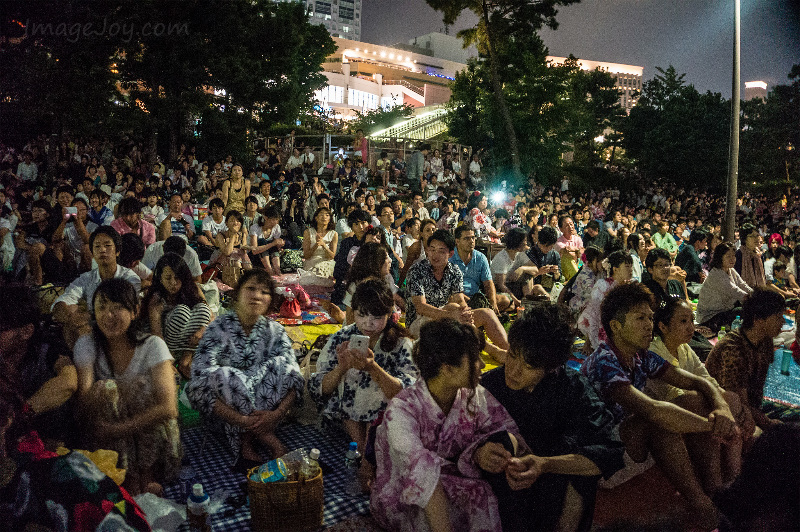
<point>417,447</point>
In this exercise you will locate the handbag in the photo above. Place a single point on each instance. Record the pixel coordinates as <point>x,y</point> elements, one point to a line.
<point>231,272</point>
<point>290,308</point>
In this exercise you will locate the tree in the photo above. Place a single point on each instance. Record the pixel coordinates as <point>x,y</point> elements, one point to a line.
<point>500,21</point>
<point>770,138</point>
<point>56,75</point>
<point>380,118</point>
<point>247,63</point>
<point>676,133</point>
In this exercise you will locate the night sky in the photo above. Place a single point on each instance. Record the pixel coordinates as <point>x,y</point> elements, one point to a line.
<point>696,36</point>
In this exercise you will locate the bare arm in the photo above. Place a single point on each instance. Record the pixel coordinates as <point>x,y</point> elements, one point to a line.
<point>437,510</point>
<point>226,187</point>
<point>662,413</point>
<point>56,391</point>
<point>308,247</point>
<point>414,251</point>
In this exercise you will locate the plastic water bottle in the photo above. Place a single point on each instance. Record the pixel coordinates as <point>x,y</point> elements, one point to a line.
<point>786,359</point>
<point>737,323</point>
<point>283,468</point>
<point>196,212</point>
<point>352,461</point>
<point>722,333</point>
<point>197,510</point>
<point>310,467</point>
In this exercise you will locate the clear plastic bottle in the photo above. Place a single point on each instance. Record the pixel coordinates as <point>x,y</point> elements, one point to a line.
<point>737,323</point>
<point>310,468</point>
<point>197,510</point>
<point>196,212</point>
<point>352,461</point>
<point>722,333</point>
<point>284,468</point>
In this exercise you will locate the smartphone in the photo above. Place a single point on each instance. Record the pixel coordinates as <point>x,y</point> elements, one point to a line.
<point>359,343</point>
<point>71,212</point>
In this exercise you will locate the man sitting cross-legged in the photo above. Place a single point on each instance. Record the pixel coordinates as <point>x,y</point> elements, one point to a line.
<point>619,370</point>
<point>436,290</point>
<point>567,427</point>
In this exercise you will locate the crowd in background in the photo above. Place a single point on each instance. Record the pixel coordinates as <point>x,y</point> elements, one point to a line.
<point>430,242</point>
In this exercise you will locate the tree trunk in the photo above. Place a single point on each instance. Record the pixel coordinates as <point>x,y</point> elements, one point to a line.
<point>501,99</point>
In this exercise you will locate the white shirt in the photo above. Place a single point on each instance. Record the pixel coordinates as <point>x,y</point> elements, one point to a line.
<point>256,231</point>
<point>213,227</point>
<point>156,250</point>
<point>27,171</point>
<point>86,284</point>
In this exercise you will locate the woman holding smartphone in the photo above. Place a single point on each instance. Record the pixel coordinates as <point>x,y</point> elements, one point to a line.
<point>365,364</point>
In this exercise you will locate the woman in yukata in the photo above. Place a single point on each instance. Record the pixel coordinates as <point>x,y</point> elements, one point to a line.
<point>619,265</point>
<point>353,387</point>
<point>428,473</point>
<point>244,371</point>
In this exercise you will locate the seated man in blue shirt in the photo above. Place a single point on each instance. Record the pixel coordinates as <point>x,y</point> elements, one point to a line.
<point>475,267</point>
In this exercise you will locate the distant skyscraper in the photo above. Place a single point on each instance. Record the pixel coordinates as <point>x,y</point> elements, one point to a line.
<point>755,89</point>
<point>342,18</point>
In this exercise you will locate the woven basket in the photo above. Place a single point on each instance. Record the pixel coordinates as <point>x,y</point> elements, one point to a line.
<point>285,506</point>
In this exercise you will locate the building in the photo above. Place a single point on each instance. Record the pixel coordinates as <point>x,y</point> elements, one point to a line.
<point>628,77</point>
<point>444,47</point>
<point>363,77</point>
<point>755,89</point>
<point>342,18</point>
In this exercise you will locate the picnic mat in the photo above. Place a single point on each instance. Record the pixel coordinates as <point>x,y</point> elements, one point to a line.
<point>308,317</point>
<point>209,459</point>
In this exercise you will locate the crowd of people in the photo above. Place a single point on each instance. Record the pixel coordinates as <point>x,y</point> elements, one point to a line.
<point>428,263</point>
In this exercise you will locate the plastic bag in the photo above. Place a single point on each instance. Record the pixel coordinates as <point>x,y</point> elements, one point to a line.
<point>308,278</point>
<point>105,460</point>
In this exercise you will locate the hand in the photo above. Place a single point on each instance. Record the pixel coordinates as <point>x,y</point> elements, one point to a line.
<point>344,356</point>
<point>492,457</point>
<point>61,363</point>
<point>196,337</point>
<point>279,243</point>
<point>521,473</point>
<point>724,425</point>
<point>463,315</point>
<point>263,421</point>
<point>677,273</point>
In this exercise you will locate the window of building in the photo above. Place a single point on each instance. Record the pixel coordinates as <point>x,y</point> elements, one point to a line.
<point>329,94</point>
<point>346,13</point>
<point>322,7</point>
<point>362,99</point>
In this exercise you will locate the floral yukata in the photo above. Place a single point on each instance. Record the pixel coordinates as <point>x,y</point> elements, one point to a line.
<point>358,396</point>
<point>417,446</point>
<point>248,373</point>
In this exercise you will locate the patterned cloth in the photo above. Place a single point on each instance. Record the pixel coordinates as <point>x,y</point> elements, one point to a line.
<point>604,371</point>
<point>589,321</point>
<point>418,447</point>
<point>421,282</point>
<point>738,364</point>
<point>248,373</point>
<point>358,396</point>
<point>582,290</point>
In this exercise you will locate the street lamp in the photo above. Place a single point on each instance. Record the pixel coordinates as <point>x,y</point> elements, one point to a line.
<point>733,148</point>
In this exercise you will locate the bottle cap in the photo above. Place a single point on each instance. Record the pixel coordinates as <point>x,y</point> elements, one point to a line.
<point>353,446</point>
<point>197,490</point>
<point>314,454</point>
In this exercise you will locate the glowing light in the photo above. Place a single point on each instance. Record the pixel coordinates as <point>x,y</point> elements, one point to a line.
<point>498,197</point>
<point>383,54</point>
<point>391,56</point>
<point>601,138</point>
<point>755,85</point>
